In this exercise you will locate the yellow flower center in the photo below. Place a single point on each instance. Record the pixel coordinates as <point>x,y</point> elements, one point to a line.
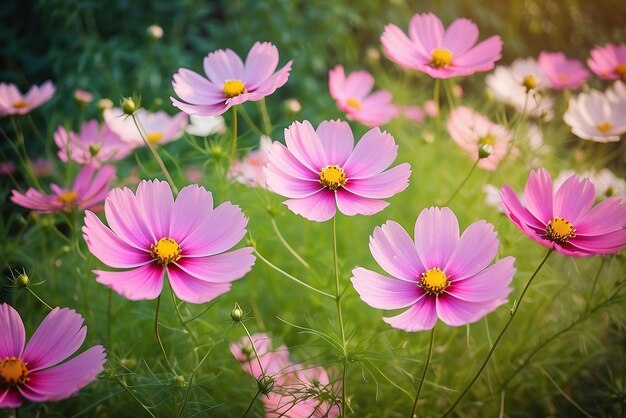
<point>441,58</point>
<point>68,198</point>
<point>487,140</point>
<point>154,137</point>
<point>166,251</point>
<point>560,230</point>
<point>13,372</point>
<point>20,104</point>
<point>530,82</point>
<point>232,88</point>
<point>604,127</point>
<point>434,281</point>
<point>353,103</point>
<point>621,69</point>
<point>333,177</point>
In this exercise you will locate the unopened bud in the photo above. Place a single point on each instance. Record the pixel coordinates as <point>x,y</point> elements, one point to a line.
<point>180,381</point>
<point>94,149</point>
<point>22,280</point>
<point>372,54</point>
<point>293,106</point>
<point>155,32</point>
<point>82,96</point>
<point>266,384</point>
<point>484,151</point>
<point>129,106</point>
<point>237,313</point>
<point>104,104</point>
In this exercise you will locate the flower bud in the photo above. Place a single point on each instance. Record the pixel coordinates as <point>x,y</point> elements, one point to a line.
<point>266,384</point>
<point>22,280</point>
<point>94,149</point>
<point>104,104</point>
<point>83,97</point>
<point>180,381</point>
<point>372,54</point>
<point>155,32</point>
<point>237,313</point>
<point>293,106</point>
<point>484,151</point>
<point>129,106</point>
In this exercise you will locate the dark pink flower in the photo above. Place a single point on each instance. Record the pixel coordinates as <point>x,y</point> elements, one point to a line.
<point>609,61</point>
<point>12,102</point>
<point>561,72</point>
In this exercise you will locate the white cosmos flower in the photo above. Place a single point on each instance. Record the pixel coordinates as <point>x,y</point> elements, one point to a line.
<point>597,116</point>
<point>607,184</point>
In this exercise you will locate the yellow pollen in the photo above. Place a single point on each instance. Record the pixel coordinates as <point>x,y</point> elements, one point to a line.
<point>441,58</point>
<point>560,230</point>
<point>530,82</point>
<point>166,251</point>
<point>621,69</point>
<point>20,104</point>
<point>487,140</point>
<point>604,127</point>
<point>353,103</point>
<point>434,281</point>
<point>67,198</point>
<point>13,372</point>
<point>154,137</point>
<point>333,177</point>
<point>232,88</point>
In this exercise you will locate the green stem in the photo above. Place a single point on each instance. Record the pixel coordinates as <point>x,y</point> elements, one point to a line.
<point>419,388</point>
<point>158,336</point>
<point>233,146</point>
<point>340,316</point>
<point>458,189</point>
<point>267,124</point>
<point>437,109</point>
<point>251,403</point>
<point>39,299</point>
<point>595,281</point>
<point>256,353</point>
<point>506,326</point>
<point>186,327</point>
<point>249,121</point>
<point>130,392</point>
<point>286,244</point>
<point>110,314</point>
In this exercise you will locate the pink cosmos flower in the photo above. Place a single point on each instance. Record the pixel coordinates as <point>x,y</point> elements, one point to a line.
<point>12,102</point>
<point>413,113</point>
<point>438,275</point>
<point>31,372</point>
<point>441,53</point>
<point>565,220</point>
<point>561,72</point>
<point>87,192</point>
<point>230,82</point>
<point>83,96</point>
<point>320,168</point>
<point>471,130</point>
<point>354,97</point>
<point>158,127</point>
<point>249,170</point>
<point>150,233</point>
<point>609,61</point>
<point>273,361</point>
<point>94,144</point>
<point>596,116</point>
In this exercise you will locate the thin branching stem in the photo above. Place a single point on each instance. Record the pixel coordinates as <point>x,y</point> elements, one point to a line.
<point>38,298</point>
<point>130,392</point>
<point>233,145</point>
<point>186,327</point>
<point>340,317</point>
<point>458,189</point>
<point>428,356</point>
<point>265,116</point>
<point>256,353</point>
<point>286,244</point>
<point>258,392</point>
<point>158,336</point>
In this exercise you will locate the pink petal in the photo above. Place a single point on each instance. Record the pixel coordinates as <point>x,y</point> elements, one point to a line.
<point>10,398</point>
<point>282,158</point>
<point>58,336</point>
<point>223,65</point>
<point>126,218</point>
<point>608,243</point>
<point>476,248</point>
<point>65,380</point>
<point>436,236</point>
<point>383,185</point>
<point>381,292</point>
<point>195,89</point>
<point>489,284</point>
<point>374,152</point>
<point>456,312</point>
<point>337,140</point>
<point>156,200</point>
<point>394,250</point>
<point>517,212</point>
<point>83,178</point>
<point>192,290</point>
<point>358,85</point>
<point>98,188</point>
<point>574,199</point>
<point>607,216</point>
<point>336,81</point>
<point>350,204</point>
<point>400,49</point>
<point>305,145</point>
<point>420,317</point>
<point>291,187</point>
<point>319,207</point>
<point>261,62</point>
<point>269,86</point>
<point>482,57</point>
<point>460,36</point>
<point>201,110</point>
<point>220,268</point>
<point>144,282</point>
<point>13,335</point>
<point>426,30</point>
<point>538,195</point>
<point>192,207</point>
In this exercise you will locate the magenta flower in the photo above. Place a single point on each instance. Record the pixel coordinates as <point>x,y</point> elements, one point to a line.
<point>32,371</point>
<point>150,233</point>
<point>12,102</point>
<point>320,168</point>
<point>609,61</point>
<point>441,53</point>
<point>158,127</point>
<point>561,72</point>
<point>230,81</point>
<point>354,97</point>
<point>438,275</point>
<point>87,192</point>
<point>94,144</point>
<point>565,221</point>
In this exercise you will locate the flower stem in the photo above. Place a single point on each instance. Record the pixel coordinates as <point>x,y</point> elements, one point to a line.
<point>437,109</point>
<point>233,146</point>
<point>458,189</point>
<point>286,244</point>
<point>256,353</point>
<point>251,403</point>
<point>595,282</point>
<point>267,124</point>
<point>340,316</point>
<point>428,356</point>
<point>158,337</point>
<point>186,327</point>
<point>156,155</point>
<point>249,121</point>
<point>506,326</point>
<point>110,324</point>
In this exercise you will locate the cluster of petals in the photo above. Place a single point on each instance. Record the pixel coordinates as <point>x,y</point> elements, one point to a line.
<point>521,86</point>
<point>471,130</point>
<point>322,170</point>
<point>95,144</point>
<point>151,233</point>
<point>609,61</point>
<point>561,72</point>
<point>13,102</point>
<point>565,220</point>
<point>31,372</point>
<point>354,96</point>
<point>88,190</point>
<point>249,170</point>
<point>439,275</point>
<point>438,52</point>
<point>598,116</point>
<point>297,391</point>
<point>229,81</point>
<point>158,127</point>
<point>607,184</point>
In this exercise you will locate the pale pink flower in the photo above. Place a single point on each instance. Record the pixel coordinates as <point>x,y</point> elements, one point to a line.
<point>87,192</point>
<point>273,361</point>
<point>438,52</point>
<point>596,116</point>
<point>561,72</point>
<point>608,61</point>
<point>322,170</point>
<point>354,96</point>
<point>151,233</point>
<point>606,182</point>
<point>413,113</point>
<point>206,125</point>
<point>12,102</point>
<point>564,220</point>
<point>431,108</point>
<point>158,127</point>
<point>31,372</point>
<point>471,131</point>
<point>439,275</point>
<point>617,92</point>
<point>230,82</point>
<point>249,170</point>
<point>83,96</point>
<point>94,144</point>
